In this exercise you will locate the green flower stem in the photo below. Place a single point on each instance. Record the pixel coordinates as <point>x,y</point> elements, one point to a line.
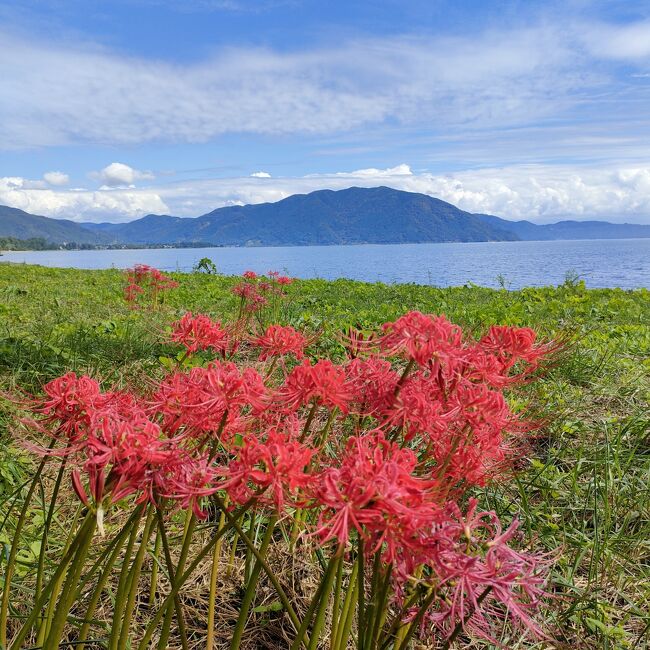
<point>46,529</point>
<point>190,523</point>
<point>172,575</point>
<point>123,583</point>
<point>381,608</point>
<point>336,604</point>
<point>251,586</point>
<point>135,571</point>
<point>13,552</point>
<point>332,570</point>
<point>176,586</point>
<point>361,614</point>
<point>310,419</point>
<point>415,623</point>
<point>397,628</point>
<point>347,613</point>
<point>405,374</point>
<point>153,585</point>
<point>212,597</point>
<point>71,587</point>
<point>272,366</point>
<point>14,497</point>
<point>371,609</point>
<point>295,528</point>
<point>248,557</point>
<point>232,520</point>
<point>52,604</point>
<point>233,551</point>
<point>42,600</point>
<point>17,642</point>
<point>301,635</point>
<point>119,540</point>
<point>322,436</point>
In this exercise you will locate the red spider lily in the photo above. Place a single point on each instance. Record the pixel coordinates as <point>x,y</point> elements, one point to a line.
<point>372,384</point>
<point>387,473</point>
<point>255,291</point>
<point>323,383</point>
<point>278,464</point>
<point>142,279</point>
<point>278,341</point>
<point>373,490</point>
<point>513,344</point>
<point>421,338</point>
<point>200,332</point>
<point>71,400</point>
<point>196,402</point>
<point>120,452</point>
<point>357,342</point>
<point>189,482</point>
<point>481,366</point>
<point>482,578</point>
<point>419,408</point>
<point>250,294</point>
<point>256,393</point>
<point>132,291</point>
<point>474,447</point>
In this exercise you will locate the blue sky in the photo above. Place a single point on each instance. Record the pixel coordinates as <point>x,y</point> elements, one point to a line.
<point>112,110</point>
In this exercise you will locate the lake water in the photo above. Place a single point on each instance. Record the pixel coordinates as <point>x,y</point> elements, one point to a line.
<point>621,263</point>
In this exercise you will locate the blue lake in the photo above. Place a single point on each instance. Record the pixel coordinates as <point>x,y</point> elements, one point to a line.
<point>621,263</point>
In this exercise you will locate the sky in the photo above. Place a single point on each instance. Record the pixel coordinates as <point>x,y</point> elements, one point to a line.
<point>523,109</point>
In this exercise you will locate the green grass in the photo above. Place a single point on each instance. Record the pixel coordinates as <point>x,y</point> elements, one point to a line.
<point>584,490</point>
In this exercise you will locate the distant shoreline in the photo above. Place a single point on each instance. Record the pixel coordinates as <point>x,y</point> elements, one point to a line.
<point>204,245</point>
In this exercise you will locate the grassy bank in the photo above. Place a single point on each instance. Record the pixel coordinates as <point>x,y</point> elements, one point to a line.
<point>584,490</point>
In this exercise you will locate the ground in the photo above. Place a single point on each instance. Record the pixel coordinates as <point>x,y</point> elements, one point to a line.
<point>583,491</point>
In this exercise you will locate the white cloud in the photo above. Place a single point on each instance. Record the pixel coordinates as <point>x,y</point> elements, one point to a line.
<point>501,77</point>
<point>120,175</point>
<point>376,174</point>
<point>79,204</point>
<point>628,42</point>
<point>56,178</point>
<point>260,175</point>
<point>541,193</point>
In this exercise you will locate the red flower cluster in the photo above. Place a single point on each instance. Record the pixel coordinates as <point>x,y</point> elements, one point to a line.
<point>200,333</point>
<point>144,281</point>
<point>278,341</point>
<point>323,383</point>
<point>382,448</point>
<point>257,291</point>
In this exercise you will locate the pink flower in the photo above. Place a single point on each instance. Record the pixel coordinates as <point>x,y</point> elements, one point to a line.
<point>482,578</point>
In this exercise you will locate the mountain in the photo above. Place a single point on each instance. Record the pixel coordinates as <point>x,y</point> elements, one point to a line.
<point>527,230</point>
<point>146,230</point>
<point>356,215</point>
<point>378,215</point>
<point>23,225</point>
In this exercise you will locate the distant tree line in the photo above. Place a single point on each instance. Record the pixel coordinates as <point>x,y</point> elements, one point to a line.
<point>42,244</point>
<point>31,244</point>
